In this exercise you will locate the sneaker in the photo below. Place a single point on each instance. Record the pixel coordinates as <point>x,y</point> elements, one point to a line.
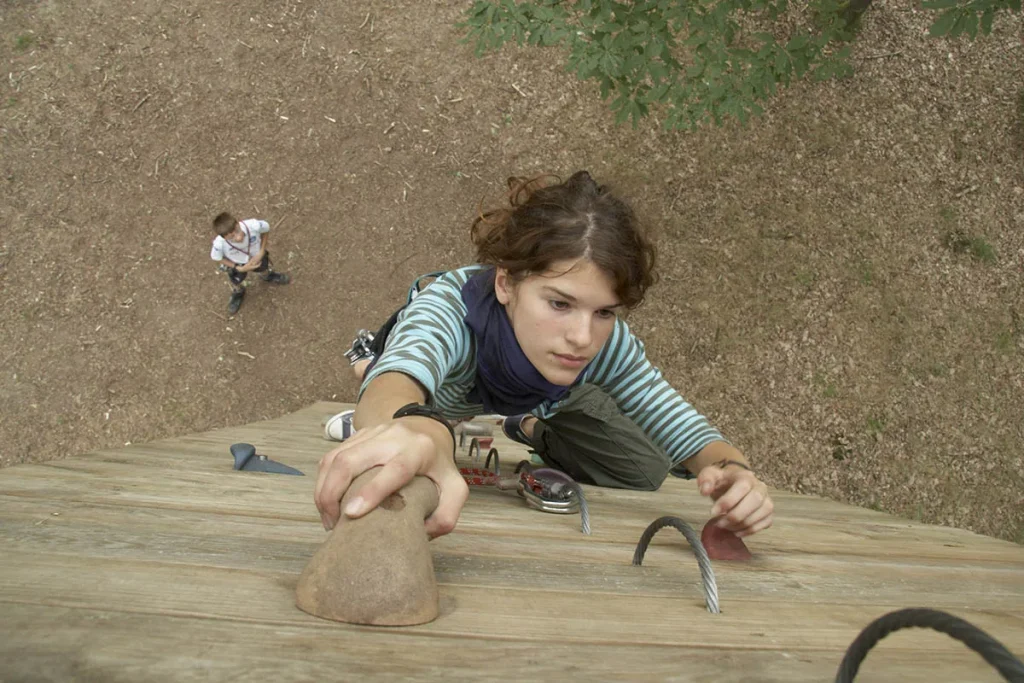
<point>512,426</point>
<point>339,427</point>
<point>360,349</point>
<point>236,301</point>
<point>277,278</point>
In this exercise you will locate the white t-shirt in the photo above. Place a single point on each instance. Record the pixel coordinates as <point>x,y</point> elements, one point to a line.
<point>241,252</point>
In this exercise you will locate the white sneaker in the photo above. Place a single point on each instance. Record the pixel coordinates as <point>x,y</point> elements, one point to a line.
<point>339,427</point>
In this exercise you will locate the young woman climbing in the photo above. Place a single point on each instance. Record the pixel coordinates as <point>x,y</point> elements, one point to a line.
<point>533,331</point>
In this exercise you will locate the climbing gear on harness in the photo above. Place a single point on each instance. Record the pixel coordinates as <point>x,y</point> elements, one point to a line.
<point>551,490</point>
<point>360,349</point>
<point>543,488</point>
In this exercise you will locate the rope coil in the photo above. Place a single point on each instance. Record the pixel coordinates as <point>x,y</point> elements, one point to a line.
<point>707,574</point>
<point>993,652</point>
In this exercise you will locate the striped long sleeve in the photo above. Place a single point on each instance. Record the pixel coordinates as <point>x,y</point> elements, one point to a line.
<point>432,344</point>
<point>623,372</point>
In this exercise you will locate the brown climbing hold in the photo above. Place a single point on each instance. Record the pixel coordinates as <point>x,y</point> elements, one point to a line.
<point>376,569</point>
<point>722,544</point>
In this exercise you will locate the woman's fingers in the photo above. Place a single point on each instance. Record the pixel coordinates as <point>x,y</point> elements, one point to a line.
<point>338,468</point>
<point>738,487</point>
<point>753,513</point>
<point>402,453</point>
<point>452,495</point>
<point>709,479</point>
<point>758,526</point>
<point>335,480</point>
<point>395,474</point>
<point>748,505</point>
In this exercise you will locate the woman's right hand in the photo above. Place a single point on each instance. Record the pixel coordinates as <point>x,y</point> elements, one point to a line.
<point>403,448</point>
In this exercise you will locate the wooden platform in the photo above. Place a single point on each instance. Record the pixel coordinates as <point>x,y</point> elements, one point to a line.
<point>158,562</point>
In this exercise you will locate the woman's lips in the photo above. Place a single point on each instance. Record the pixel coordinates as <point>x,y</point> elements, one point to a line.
<point>570,361</point>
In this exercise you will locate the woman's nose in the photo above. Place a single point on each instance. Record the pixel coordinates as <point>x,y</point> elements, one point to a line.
<point>579,331</point>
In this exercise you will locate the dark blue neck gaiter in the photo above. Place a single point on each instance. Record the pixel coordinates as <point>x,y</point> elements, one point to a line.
<point>506,381</point>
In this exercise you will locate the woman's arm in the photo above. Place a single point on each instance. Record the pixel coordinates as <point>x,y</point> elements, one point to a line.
<point>641,392</point>
<point>403,448</point>
<point>741,499</point>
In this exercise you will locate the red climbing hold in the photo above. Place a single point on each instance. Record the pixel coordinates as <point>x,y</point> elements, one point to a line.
<point>722,544</point>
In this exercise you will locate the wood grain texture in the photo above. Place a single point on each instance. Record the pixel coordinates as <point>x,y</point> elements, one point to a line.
<point>158,562</point>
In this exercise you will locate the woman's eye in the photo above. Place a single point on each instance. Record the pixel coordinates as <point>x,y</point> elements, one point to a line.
<point>558,305</point>
<point>605,313</point>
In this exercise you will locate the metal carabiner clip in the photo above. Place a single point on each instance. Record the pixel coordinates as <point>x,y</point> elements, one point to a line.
<point>560,503</point>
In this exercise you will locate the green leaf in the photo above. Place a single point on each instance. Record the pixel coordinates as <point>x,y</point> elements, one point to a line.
<point>958,26</point>
<point>797,43</point>
<point>944,24</point>
<point>658,94</point>
<point>986,21</point>
<point>971,25</point>
<point>781,62</point>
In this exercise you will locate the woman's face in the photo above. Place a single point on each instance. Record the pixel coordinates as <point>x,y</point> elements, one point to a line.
<point>562,317</point>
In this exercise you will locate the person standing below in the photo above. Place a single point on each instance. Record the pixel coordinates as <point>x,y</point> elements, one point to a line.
<point>241,247</point>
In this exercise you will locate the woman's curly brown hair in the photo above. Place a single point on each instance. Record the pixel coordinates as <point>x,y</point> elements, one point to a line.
<point>549,221</point>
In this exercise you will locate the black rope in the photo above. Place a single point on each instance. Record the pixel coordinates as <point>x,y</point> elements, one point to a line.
<point>985,645</point>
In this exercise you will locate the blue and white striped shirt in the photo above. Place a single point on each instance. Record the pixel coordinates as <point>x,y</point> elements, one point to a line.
<point>432,344</point>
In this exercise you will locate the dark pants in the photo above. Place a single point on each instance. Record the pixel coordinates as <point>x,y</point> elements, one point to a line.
<point>594,443</point>
<point>237,277</point>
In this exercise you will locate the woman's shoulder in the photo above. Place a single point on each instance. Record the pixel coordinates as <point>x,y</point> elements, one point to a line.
<point>459,276</point>
<point>449,283</point>
<point>444,290</point>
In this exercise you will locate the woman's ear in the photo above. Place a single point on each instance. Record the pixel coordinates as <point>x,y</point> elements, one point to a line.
<point>502,286</point>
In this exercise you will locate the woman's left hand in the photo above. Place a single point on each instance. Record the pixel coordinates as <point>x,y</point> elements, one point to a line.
<point>741,499</point>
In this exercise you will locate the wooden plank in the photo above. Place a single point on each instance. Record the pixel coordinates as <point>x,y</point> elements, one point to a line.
<point>208,453</point>
<point>197,539</point>
<point>159,551</point>
<point>114,646</point>
<point>489,511</point>
<point>519,612</point>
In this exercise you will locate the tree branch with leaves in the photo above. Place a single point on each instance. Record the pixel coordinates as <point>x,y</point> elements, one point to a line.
<point>701,61</point>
